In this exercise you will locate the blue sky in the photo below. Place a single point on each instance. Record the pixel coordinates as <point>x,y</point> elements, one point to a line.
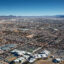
<point>31,7</point>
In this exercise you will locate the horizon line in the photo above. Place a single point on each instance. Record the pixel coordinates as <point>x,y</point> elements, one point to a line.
<point>34,15</point>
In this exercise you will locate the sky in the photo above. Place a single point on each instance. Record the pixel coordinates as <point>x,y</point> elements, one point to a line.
<point>32,7</point>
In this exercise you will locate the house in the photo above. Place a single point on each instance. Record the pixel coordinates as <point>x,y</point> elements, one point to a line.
<point>45,52</point>
<point>32,60</point>
<point>52,56</point>
<point>44,56</point>
<point>18,52</point>
<point>37,56</point>
<point>20,60</point>
<point>28,53</point>
<point>26,56</point>
<point>56,60</point>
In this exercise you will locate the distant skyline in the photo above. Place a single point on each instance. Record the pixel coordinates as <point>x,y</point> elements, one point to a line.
<point>32,7</point>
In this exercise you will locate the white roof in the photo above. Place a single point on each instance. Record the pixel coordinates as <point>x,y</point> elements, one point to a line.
<point>22,59</point>
<point>32,60</point>
<point>26,56</point>
<point>29,53</point>
<point>19,52</point>
<point>56,29</point>
<point>36,55</point>
<point>58,59</point>
<point>15,50</point>
<point>46,52</point>
<point>44,55</point>
<point>40,55</point>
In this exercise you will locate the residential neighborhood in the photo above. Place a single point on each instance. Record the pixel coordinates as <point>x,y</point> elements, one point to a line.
<point>31,40</point>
